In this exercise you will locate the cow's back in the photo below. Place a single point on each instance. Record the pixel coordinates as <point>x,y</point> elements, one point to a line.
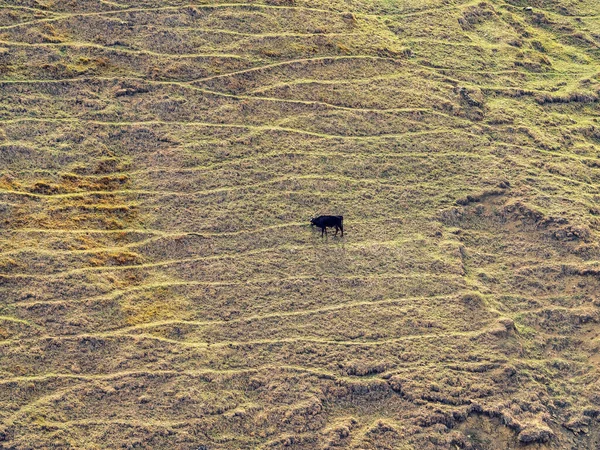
<point>332,221</point>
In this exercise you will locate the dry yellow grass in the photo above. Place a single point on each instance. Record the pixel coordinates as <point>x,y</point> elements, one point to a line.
<point>159,284</point>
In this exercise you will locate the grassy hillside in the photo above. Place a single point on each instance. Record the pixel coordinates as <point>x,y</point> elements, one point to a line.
<point>160,287</point>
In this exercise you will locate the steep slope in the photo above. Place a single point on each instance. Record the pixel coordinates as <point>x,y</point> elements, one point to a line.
<point>159,285</point>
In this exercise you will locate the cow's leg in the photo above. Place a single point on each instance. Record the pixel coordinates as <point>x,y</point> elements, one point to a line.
<point>322,231</point>
<point>342,228</point>
<point>336,230</point>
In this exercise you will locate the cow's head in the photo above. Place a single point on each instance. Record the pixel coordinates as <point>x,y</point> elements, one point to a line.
<point>312,221</point>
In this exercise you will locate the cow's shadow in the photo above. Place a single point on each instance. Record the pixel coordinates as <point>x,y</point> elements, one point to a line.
<point>326,236</point>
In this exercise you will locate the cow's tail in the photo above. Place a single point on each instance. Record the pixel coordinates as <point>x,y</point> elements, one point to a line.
<point>342,224</point>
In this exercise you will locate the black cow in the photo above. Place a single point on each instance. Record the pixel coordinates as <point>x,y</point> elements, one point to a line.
<point>323,222</point>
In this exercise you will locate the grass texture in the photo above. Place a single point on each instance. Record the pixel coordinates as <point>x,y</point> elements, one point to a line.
<point>159,284</point>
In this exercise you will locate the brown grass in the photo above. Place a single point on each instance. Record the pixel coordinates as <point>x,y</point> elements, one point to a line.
<point>160,286</point>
